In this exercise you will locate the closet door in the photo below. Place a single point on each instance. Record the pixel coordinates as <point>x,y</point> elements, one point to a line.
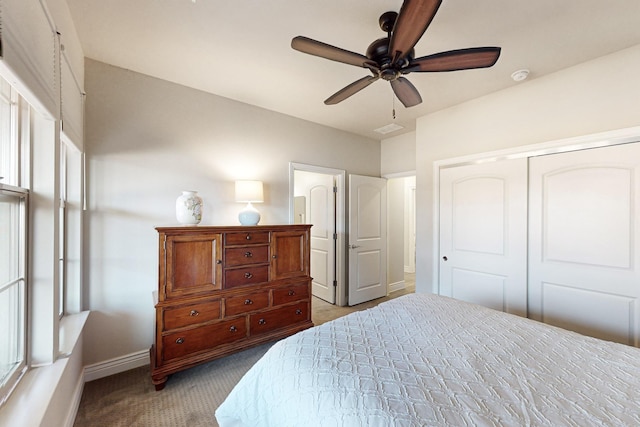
<point>584,257</point>
<point>483,232</point>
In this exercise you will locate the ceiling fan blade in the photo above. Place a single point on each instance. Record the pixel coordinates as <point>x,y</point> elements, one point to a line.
<point>323,50</point>
<point>353,88</point>
<point>413,20</point>
<point>406,92</point>
<point>453,60</point>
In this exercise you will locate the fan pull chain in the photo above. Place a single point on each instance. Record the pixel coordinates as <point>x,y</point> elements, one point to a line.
<point>393,108</point>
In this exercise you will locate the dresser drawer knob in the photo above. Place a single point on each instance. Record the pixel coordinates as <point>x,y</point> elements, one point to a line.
<point>292,293</point>
<point>248,236</point>
<point>248,254</point>
<point>262,322</point>
<point>194,313</point>
<point>180,340</point>
<point>233,329</point>
<point>218,261</point>
<point>248,275</point>
<point>298,312</point>
<point>248,302</point>
<point>274,256</point>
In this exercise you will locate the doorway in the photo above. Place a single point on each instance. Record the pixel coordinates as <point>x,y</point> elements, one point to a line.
<point>401,215</point>
<point>317,198</point>
<point>400,265</point>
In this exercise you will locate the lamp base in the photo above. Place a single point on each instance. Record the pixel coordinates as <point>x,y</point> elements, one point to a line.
<point>249,215</point>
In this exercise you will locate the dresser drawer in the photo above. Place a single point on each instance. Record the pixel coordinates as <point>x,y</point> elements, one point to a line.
<point>245,238</point>
<point>245,276</point>
<point>240,304</point>
<point>179,344</point>
<point>246,255</point>
<point>290,294</point>
<point>178,317</point>
<point>279,318</point>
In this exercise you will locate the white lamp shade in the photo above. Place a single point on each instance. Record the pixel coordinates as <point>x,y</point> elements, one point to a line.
<point>249,192</point>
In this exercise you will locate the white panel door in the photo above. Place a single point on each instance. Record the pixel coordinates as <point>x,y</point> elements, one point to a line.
<point>367,238</point>
<point>483,234</point>
<point>321,213</point>
<point>584,258</point>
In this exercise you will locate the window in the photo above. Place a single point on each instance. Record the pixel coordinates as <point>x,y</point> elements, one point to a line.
<point>13,243</point>
<point>70,228</point>
<point>62,221</point>
<point>13,214</point>
<point>7,129</point>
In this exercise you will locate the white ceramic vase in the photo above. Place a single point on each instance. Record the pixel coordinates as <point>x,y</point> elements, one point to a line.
<point>189,208</point>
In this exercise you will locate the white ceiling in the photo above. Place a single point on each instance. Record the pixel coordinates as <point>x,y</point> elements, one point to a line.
<point>240,49</point>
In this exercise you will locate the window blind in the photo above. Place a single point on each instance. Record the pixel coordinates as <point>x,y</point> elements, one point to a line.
<point>29,53</point>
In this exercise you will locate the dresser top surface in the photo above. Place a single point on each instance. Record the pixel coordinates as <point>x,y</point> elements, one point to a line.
<point>232,228</point>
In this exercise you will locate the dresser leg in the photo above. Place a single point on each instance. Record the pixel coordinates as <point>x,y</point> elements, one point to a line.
<point>159,384</point>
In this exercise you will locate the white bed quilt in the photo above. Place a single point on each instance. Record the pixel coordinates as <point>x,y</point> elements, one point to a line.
<point>427,360</point>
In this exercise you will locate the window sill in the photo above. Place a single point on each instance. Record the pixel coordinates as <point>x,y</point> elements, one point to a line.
<point>49,395</point>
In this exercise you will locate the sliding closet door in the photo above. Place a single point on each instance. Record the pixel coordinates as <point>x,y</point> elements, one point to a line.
<point>483,232</point>
<point>584,257</point>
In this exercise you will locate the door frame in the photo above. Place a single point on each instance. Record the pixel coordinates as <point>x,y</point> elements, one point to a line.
<point>409,224</point>
<point>340,177</point>
<point>583,142</point>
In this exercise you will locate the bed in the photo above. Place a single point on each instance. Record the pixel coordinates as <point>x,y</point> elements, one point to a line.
<point>428,360</point>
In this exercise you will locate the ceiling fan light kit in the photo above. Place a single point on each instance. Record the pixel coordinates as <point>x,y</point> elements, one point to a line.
<point>390,58</point>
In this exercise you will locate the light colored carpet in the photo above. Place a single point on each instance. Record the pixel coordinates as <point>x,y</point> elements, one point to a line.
<point>190,397</point>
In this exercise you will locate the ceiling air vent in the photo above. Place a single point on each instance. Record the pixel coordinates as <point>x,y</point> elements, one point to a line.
<point>388,128</point>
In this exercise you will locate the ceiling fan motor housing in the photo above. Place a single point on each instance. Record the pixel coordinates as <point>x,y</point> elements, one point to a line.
<point>378,51</point>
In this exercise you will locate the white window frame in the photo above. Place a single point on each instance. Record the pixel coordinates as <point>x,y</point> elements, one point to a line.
<point>14,175</point>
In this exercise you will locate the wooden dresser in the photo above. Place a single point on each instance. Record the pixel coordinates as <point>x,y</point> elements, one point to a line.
<point>225,289</point>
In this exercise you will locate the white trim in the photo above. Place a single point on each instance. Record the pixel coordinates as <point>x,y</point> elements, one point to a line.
<point>74,403</point>
<point>397,286</point>
<point>116,365</point>
<point>405,174</point>
<point>602,139</point>
<point>596,140</point>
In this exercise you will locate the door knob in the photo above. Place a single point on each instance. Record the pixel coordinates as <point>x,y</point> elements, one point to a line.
<point>353,246</point>
<point>444,258</point>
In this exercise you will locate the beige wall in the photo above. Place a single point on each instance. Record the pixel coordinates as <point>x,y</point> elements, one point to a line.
<point>148,139</point>
<point>398,154</point>
<point>597,96</point>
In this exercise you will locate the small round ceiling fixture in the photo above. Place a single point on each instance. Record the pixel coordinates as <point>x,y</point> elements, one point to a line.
<point>520,75</point>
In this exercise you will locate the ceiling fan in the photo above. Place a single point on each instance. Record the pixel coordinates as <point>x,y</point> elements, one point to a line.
<point>391,57</point>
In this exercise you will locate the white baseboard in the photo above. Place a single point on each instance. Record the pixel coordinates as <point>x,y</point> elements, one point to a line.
<point>74,403</point>
<point>116,365</point>
<point>396,286</point>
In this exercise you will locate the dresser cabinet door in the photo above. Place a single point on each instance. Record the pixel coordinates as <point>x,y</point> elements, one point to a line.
<point>289,254</point>
<point>192,265</point>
